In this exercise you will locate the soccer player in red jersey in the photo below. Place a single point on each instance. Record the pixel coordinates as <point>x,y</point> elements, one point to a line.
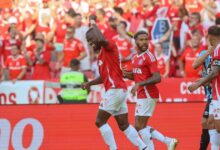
<point>146,75</point>
<point>214,76</point>
<point>114,102</point>
<point>16,64</point>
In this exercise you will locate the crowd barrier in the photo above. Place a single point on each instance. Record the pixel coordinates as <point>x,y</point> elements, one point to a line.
<point>45,92</point>
<point>72,127</point>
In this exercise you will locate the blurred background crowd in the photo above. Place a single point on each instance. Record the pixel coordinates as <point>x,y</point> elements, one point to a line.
<point>39,38</point>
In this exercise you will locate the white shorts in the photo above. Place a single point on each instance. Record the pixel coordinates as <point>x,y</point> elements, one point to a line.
<point>145,107</point>
<point>214,109</point>
<point>114,102</point>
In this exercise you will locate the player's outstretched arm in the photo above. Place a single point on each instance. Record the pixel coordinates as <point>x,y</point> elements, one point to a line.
<point>215,71</point>
<point>200,60</point>
<point>127,74</point>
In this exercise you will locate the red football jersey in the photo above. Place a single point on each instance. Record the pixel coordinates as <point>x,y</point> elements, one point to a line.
<point>161,63</point>
<point>6,48</point>
<point>72,49</point>
<point>216,81</point>
<point>41,71</point>
<point>15,66</point>
<point>60,31</point>
<point>124,47</point>
<point>144,66</point>
<point>109,68</point>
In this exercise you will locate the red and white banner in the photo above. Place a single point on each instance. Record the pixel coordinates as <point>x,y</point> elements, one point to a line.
<point>171,90</point>
<point>72,127</point>
<point>41,92</point>
<point>22,92</point>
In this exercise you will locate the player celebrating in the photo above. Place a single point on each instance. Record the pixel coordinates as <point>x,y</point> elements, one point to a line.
<point>214,76</point>
<point>146,75</point>
<point>114,102</point>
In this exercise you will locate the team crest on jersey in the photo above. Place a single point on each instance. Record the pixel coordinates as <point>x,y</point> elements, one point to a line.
<point>100,63</point>
<point>17,63</point>
<point>125,44</point>
<point>140,62</point>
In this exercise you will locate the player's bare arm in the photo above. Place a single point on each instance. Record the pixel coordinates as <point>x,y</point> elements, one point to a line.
<point>199,61</point>
<point>127,74</point>
<point>93,82</point>
<point>204,81</point>
<point>154,79</point>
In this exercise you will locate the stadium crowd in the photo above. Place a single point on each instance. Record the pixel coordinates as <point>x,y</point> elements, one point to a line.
<point>38,39</point>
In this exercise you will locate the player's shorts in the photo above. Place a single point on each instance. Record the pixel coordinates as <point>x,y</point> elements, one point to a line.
<point>206,111</point>
<point>214,109</point>
<point>145,107</point>
<point>114,102</point>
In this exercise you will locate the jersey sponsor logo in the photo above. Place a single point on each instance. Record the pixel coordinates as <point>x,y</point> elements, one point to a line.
<point>216,62</point>
<point>137,70</point>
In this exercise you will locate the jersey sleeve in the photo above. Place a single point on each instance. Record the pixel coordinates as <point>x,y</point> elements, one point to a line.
<point>111,46</point>
<point>152,64</point>
<point>216,57</point>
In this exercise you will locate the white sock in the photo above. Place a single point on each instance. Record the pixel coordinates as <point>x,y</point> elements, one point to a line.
<point>159,136</point>
<point>132,135</point>
<point>146,136</point>
<point>214,139</point>
<point>108,136</point>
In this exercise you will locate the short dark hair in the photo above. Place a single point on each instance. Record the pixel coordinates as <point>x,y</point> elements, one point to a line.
<point>214,30</point>
<point>217,21</point>
<point>77,14</point>
<point>139,33</point>
<point>197,15</point>
<point>102,11</point>
<point>16,45</point>
<point>196,31</point>
<point>118,10</point>
<point>74,62</point>
<point>71,12</point>
<point>124,23</point>
<point>71,27</point>
<point>89,32</point>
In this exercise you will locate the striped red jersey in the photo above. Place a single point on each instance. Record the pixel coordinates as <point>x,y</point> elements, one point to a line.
<point>109,67</point>
<point>144,65</point>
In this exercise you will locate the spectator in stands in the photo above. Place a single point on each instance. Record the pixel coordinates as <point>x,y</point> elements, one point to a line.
<point>163,61</point>
<point>40,59</point>
<point>15,64</point>
<point>124,46</point>
<point>73,49</point>
<point>13,37</point>
<point>80,34</point>
<point>71,85</point>
<point>189,56</point>
<point>195,23</point>
<point>101,20</point>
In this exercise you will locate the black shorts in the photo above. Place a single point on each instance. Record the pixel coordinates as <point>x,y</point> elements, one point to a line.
<point>206,111</point>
